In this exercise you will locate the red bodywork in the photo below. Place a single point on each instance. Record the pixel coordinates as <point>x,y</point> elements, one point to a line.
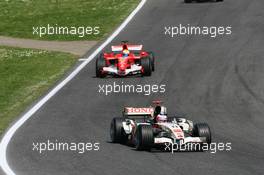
<point>122,63</point>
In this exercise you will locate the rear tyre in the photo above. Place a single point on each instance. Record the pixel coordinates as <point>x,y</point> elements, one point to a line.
<point>152,60</point>
<point>100,64</point>
<point>202,130</point>
<point>146,64</point>
<point>187,1</point>
<point>219,0</point>
<point>117,132</point>
<point>144,137</point>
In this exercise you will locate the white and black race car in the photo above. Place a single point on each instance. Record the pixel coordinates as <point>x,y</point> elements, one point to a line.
<point>141,128</point>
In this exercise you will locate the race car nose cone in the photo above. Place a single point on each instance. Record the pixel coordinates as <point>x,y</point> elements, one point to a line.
<point>122,72</point>
<point>122,68</point>
<point>122,65</point>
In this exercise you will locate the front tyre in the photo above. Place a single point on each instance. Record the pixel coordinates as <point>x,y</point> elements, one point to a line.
<point>144,137</point>
<point>202,130</point>
<point>152,60</point>
<point>117,132</point>
<point>100,64</point>
<point>187,1</point>
<point>146,65</point>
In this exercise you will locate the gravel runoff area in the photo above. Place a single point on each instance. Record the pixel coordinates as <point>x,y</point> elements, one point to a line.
<point>74,47</point>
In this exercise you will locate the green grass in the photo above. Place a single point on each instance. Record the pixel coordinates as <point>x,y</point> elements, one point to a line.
<point>24,75</point>
<point>17,17</point>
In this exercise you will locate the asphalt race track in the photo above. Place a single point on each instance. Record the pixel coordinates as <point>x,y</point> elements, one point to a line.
<point>215,80</point>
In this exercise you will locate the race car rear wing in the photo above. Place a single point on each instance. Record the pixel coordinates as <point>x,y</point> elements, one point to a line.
<point>131,112</point>
<point>129,47</point>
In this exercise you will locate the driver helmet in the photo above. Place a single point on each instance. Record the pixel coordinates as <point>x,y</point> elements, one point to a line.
<point>160,114</point>
<point>126,52</point>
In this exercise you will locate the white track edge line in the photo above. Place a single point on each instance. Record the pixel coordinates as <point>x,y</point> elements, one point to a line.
<point>11,131</point>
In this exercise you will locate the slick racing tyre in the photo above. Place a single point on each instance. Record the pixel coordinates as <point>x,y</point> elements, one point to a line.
<point>117,132</point>
<point>152,60</point>
<point>202,130</point>
<point>187,1</point>
<point>144,137</point>
<point>100,64</point>
<point>146,64</point>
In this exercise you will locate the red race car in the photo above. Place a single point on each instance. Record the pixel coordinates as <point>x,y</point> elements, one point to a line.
<point>125,59</point>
